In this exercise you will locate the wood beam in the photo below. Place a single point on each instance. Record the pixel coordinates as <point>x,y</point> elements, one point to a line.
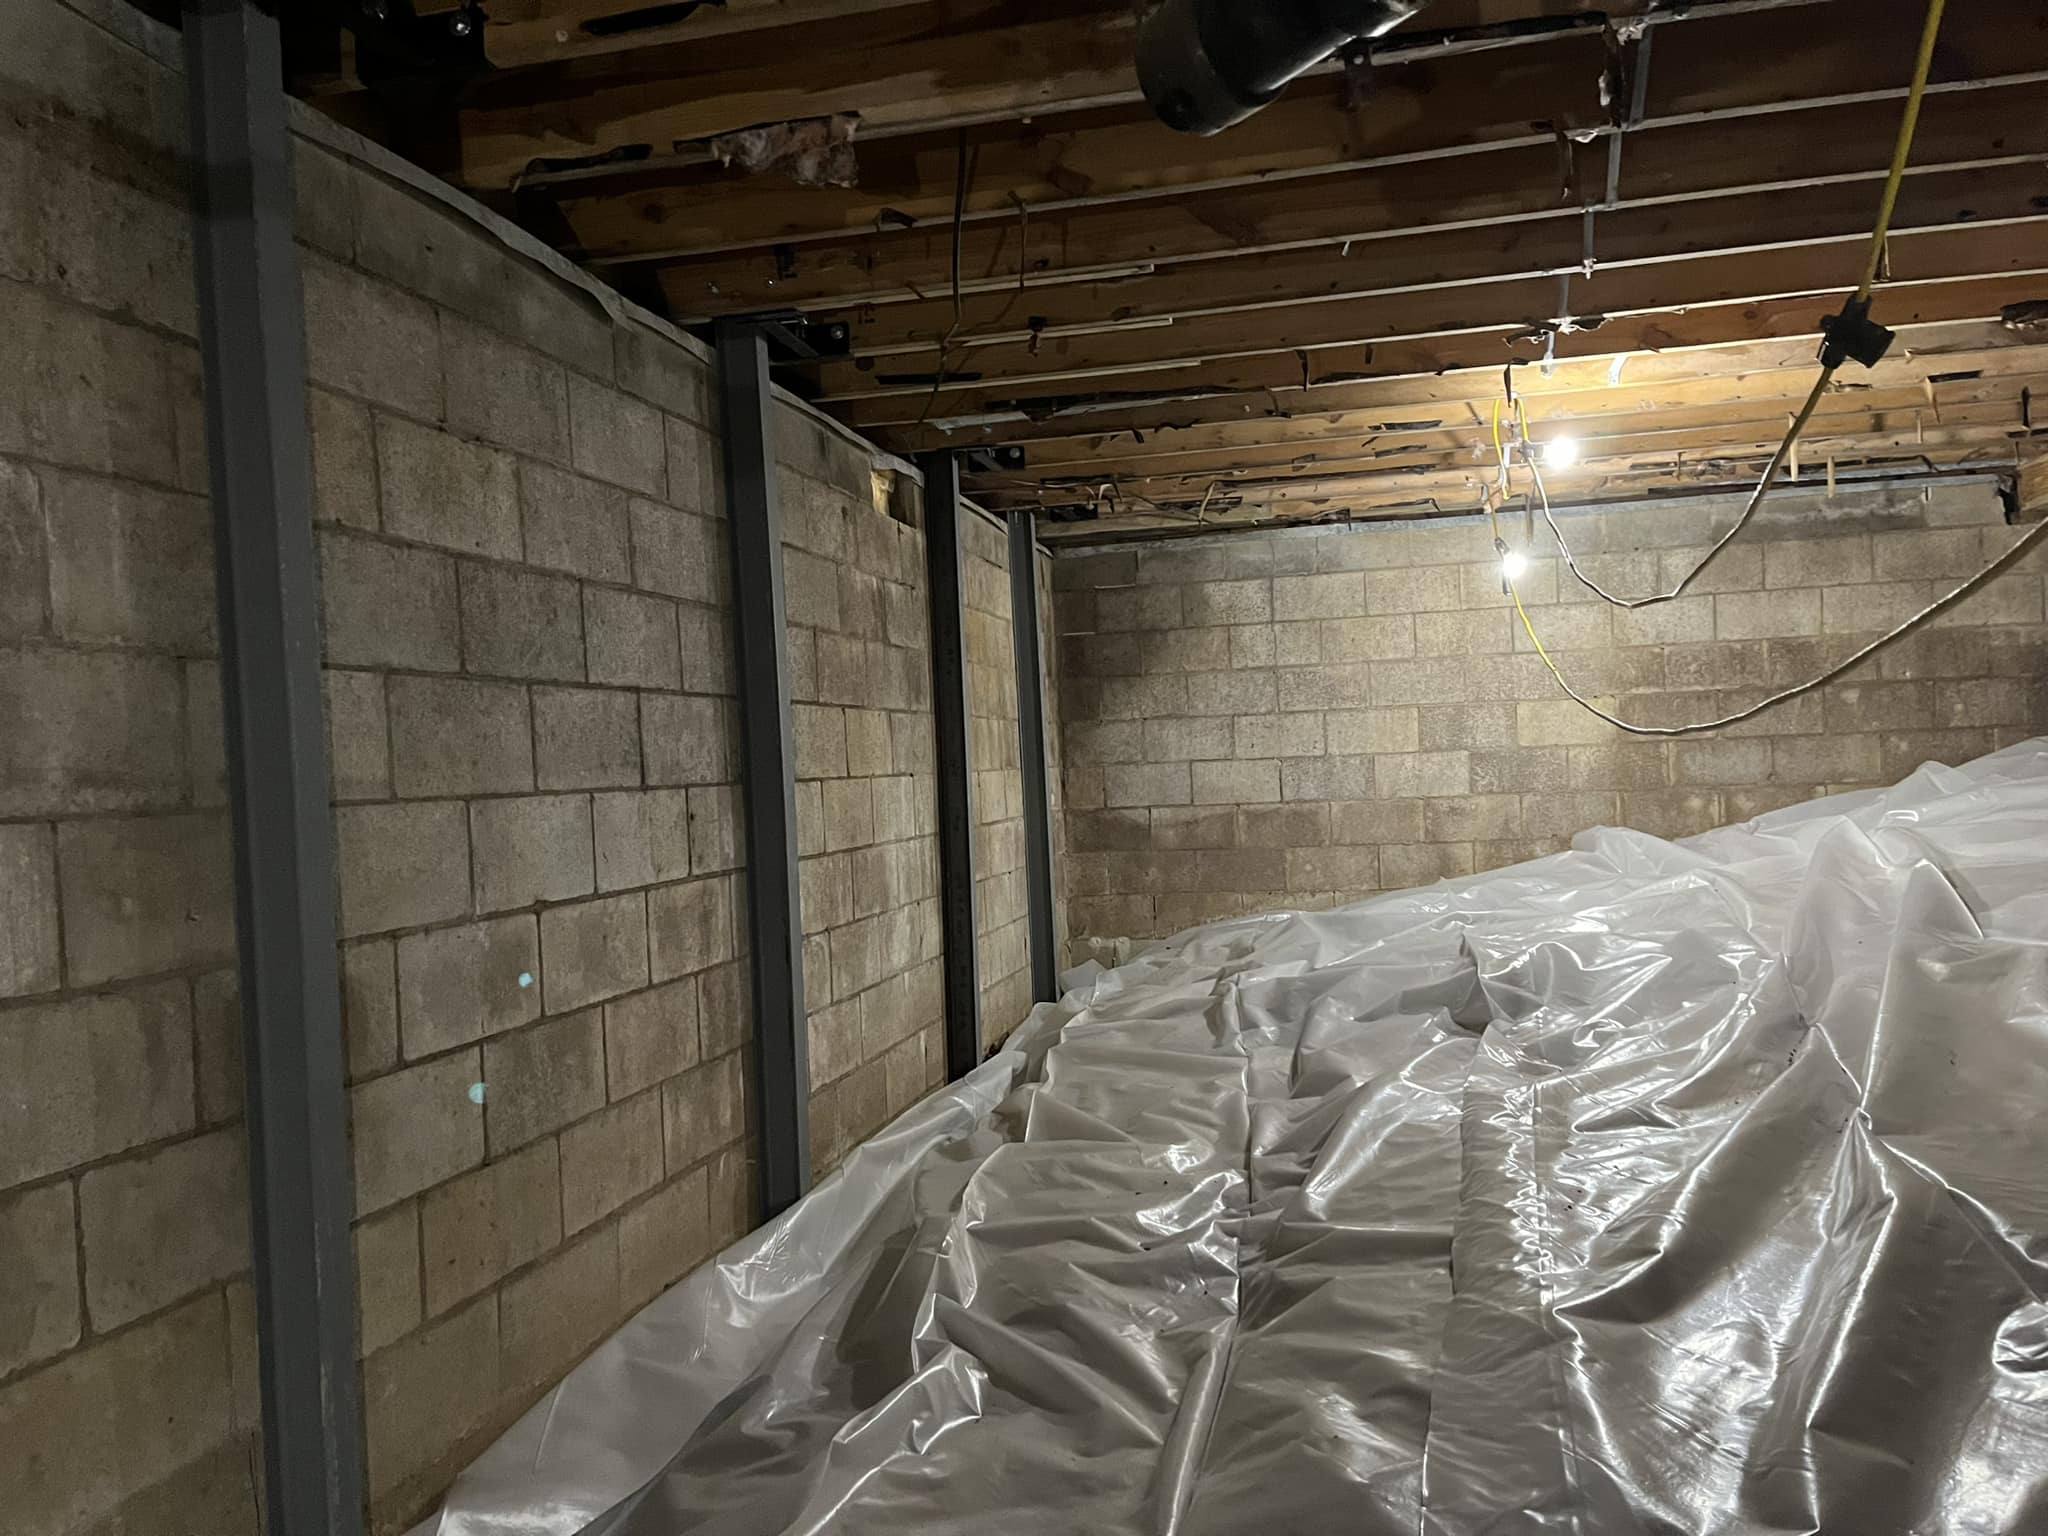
<point>1510,187</point>
<point>1907,306</point>
<point>1531,308</point>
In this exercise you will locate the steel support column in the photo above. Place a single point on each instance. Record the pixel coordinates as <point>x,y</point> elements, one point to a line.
<point>776,950</point>
<point>252,333</point>
<point>946,588</point>
<point>1030,659</point>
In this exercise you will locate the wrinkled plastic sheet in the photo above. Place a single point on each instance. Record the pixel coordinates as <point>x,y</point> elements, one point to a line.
<point>1673,1188</point>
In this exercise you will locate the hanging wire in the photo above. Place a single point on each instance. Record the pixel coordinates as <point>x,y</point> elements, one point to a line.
<point>1902,152</point>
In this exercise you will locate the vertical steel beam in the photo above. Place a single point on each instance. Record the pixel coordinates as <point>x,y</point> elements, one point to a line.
<point>252,333</point>
<point>946,588</point>
<point>776,951</point>
<point>1030,660</point>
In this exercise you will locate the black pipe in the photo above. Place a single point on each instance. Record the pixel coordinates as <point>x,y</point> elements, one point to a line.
<point>1205,64</point>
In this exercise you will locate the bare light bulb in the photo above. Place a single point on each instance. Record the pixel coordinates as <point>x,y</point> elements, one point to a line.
<point>1512,565</point>
<point>1561,452</point>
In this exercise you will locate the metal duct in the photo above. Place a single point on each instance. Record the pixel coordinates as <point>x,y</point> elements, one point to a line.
<point>1205,64</point>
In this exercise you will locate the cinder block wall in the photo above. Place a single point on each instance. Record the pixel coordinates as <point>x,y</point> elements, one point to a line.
<point>1003,947</point>
<point>860,682</point>
<point>1297,719</point>
<point>533,737</point>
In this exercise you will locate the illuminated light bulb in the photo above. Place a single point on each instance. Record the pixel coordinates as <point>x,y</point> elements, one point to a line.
<point>1561,452</point>
<point>1512,565</point>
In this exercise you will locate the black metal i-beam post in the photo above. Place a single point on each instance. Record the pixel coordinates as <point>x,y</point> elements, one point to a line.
<point>946,588</point>
<point>1030,659</point>
<point>252,333</point>
<point>761,653</point>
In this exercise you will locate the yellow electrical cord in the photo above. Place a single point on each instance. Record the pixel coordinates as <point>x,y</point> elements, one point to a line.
<point>1887,206</point>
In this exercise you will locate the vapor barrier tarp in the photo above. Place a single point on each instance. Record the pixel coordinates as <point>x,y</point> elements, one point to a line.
<point>1674,1188</point>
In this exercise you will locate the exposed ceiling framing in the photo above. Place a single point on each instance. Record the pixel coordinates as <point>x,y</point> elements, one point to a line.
<point>1646,208</point>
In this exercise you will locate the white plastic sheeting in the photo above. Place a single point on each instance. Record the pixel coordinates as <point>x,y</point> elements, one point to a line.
<point>1676,1188</point>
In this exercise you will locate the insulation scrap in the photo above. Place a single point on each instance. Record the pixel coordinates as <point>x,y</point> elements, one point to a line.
<point>812,151</point>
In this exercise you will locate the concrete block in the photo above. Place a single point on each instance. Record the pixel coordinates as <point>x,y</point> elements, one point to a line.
<point>643,837</point>
<point>1901,752</point>
<point>1178,650</point>
<point>690,926</point>
<point>1186,827</point>
<point>835,1042</point>
<point>704,1110</point>
<point>1232,693</point>
<point>1406,865</point>
<point>688,740</point>
<point>632,639</point>
<point>1899,706</point>
<point>715,828</point>
<point>586,738</point>
<point>1294,735</point>
<point>591,950</point>
<point>617,438</point>
<point>1672,812</point>
<point>725,1009</point>
<point>1714,762</point>
<point>416,1128</point>
<point>1684,620</point>
<point>1281,826</point>
<point>657,369</point>
<point>1872,608</point>
<point>1481,632</point>
<point>549,1317</point>
<point>2012,597</point>
<point>217,1046</point>
<point>1251,645</point>
<point>1146,784</point>
<point>344,461</point>
<point>1103,741</point>
<point>1820,562</point>
<point>1171,740</point>
<point>677,553</point>
<point>849,813</point>
<point>867,743</point>
<point>1451,727</point>
<point>504,393</point>
<point>695,480</point>
<point>1236,783</point>
<point>1388,637</point>
<point>39,1283</point>
<point>664,1237</point>
<point>1825,760</point>
<point>818,732</point>
<point>1347,686</point>
<point>113,1420</point>
<point>369,1006</point>
<point>530,849</point>
<point>1545,815</point>
<point>455,737</point>
<point>521,624</point>
<point>1765,615</point>
<point>1634,764</point>
<point>1351,871</point>
<point>144,895</point>
<point>387,1277</point>
<point>365,338</point>
<point>1519,770</point>
<point>1430,589</point>
<point>1987,701</point>
<point>1719,664</point>
<point>457,985</point>
<point>1148,608</point>
<point>89,732</point>
<point>477,1229</point>
<point>650,1037</point>
<point>129,565</point>
<point>1537,585</point>
<point>573,524</point>
<point>1935,652</point>
<point>1325,778</point>
<point>707,642</point>
<point>1229,602</point>
<point>439,489</point>
<point>1418,775</point>
<point>29,956</point>
<point>1567,627</point>
<point>424,1399</point>
<point>1352,733</point>
<point>1237,869</point>
<point>1738,568</point>
<point>383,606</point>
<point>826,889</point>
<point>1328,595</point>
<point>1561,723</point>
<point>1376,821</point>
<point>540,1079</point>
<point>158,1227</point>
<point>847,671</point>
<point>358,734</point>
<point>401,866</point>
<point>24,569</point>
<point>1468,818</point>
